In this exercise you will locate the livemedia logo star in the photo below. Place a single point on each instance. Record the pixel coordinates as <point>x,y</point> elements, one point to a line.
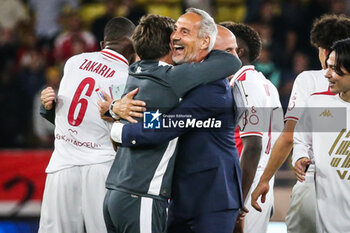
<point>152,120</point>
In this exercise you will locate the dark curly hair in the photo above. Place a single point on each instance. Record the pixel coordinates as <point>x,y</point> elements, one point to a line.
<point>152,36</point>
<point>248,35</point>
<point>328,29</point>
<point>117,28</point>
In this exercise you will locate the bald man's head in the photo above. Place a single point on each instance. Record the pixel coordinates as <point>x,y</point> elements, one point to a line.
<point>225,40</point>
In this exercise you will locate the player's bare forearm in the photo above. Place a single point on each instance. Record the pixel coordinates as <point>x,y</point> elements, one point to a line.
<point>239,227</point>
<point>280,151</point>
<point>250,157</point>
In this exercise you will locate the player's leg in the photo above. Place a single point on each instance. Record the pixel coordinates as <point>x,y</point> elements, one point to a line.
<point>255,221</point>
<point>218,222</point>
<point>93,193</point>
<point>130,213</point>
<point>108,220</point>
<point>320,228</point>
<point>301,215</point>
<point>61,205</point>
<point>159,216</point>
<point>177,224</point>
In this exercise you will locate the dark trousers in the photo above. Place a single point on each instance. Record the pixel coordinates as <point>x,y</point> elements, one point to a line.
<point>129,213</point>
<point>213,222</point>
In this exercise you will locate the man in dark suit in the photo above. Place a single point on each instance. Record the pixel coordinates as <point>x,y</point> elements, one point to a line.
<point>139,182</point>
<point>206,185</point>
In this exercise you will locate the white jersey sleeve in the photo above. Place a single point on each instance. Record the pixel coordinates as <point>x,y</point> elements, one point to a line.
<point>302,137</point>
<point>305,84</point>
<point>81,136</point>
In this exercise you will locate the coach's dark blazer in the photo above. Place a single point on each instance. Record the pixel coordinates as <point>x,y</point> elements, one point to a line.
<point>207,176</point>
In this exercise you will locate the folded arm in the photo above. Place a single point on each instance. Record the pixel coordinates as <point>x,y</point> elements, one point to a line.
<point>199,104</point>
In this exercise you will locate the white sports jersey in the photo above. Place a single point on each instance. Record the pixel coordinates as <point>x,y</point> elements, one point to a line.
<point>324,128</point>
<point>305,84</point>
<point>81,136</point>
<point>264,116</point>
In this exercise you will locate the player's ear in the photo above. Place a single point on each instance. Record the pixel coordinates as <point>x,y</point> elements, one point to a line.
<point>240,52</point>
<point>205,43</point>
<point>325,52</point>
<point>102,44</point>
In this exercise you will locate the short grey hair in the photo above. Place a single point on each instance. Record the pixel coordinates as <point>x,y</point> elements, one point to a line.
<point>207,27</point>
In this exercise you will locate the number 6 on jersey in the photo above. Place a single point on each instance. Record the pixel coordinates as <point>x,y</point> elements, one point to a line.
<point>77,100</point>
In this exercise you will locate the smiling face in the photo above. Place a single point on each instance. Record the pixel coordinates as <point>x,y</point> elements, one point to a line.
<point>338,83</point>
<point>187,46</point>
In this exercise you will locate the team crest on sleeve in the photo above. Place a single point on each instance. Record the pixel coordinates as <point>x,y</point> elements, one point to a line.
<point>292,101</point>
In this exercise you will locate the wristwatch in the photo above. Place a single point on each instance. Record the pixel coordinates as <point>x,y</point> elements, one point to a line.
<point>115,116</point>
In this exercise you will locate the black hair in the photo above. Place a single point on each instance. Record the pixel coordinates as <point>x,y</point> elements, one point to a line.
<point>342,56</point>
<point>248,35</point>
<point>329,29</point>
<point>117,28</point>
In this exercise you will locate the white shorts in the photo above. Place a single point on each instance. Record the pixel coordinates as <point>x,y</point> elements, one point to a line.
<point>255,221</point>
<point>301,215</point>
<point>73,200</point>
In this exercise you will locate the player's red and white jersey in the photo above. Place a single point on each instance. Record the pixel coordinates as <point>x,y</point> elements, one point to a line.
<point>264,116</point>
<point>324,128</point>
<point>305,84</point>
<point>81,136</point>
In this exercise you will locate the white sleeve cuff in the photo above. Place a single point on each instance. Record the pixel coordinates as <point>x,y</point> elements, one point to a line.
<point>299,151</point>
<point>117,131</point>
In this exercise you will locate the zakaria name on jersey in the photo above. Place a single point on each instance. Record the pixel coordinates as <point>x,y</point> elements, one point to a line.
<point>101,68</point>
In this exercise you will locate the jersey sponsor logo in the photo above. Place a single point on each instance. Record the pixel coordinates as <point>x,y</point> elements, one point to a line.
<point>341,155</point>
<point>249,117</point>
<point>72,140</point>
<point>98,68</point>
<point>152,120</point>
<point>71,131</point>
<point>326,113</point>
<point>253,118</point>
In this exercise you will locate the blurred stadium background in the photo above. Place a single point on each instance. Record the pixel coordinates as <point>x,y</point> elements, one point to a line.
<point>37,37</point>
